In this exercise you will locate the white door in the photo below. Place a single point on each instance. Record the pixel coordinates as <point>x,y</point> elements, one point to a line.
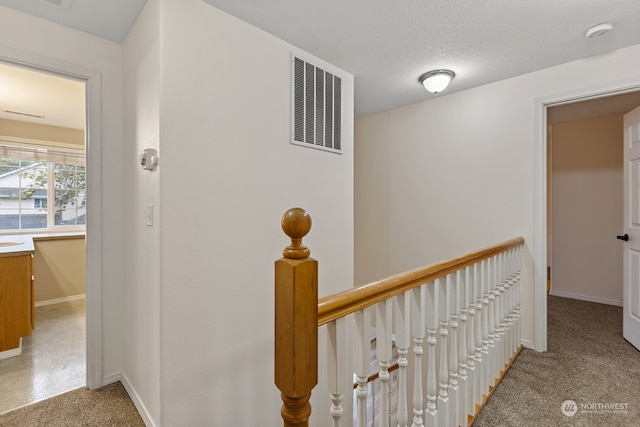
<point>631,258</point>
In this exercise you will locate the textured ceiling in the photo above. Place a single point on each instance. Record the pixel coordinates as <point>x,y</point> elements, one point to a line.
<point>387,45</point>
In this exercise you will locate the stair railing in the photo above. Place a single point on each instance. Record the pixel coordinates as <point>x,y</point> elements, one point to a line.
<point>467,310</point>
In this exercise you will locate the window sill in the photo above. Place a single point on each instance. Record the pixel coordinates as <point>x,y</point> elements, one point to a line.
<point>59,235</point>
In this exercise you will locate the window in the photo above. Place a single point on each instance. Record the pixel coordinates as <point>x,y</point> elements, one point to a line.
<point>41,189</point>
<point>40,202</point>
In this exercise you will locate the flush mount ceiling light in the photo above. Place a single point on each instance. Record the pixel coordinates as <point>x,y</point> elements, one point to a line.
<point>599,30</point>
<point>437,80</point>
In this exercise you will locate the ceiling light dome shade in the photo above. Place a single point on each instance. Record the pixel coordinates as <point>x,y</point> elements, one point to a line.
<point>437,80</point>
<point>599,30</point>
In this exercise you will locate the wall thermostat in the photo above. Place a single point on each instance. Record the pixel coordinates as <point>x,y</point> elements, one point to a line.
<point>149,159</point>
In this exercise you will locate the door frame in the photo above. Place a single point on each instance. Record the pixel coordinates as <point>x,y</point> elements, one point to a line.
<point>539,246</point>
<point>93,102</point>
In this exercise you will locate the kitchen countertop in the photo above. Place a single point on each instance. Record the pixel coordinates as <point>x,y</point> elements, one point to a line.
<point>24,246</point>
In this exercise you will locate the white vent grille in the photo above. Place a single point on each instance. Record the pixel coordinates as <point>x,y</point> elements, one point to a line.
<point>316,107</point>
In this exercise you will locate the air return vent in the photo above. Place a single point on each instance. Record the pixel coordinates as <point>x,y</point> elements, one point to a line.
<point>316,107</point>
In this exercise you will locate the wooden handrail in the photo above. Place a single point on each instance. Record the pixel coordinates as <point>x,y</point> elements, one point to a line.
<point>343,303</point>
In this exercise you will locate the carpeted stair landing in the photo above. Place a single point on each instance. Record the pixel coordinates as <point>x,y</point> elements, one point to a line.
<point>588,362</point>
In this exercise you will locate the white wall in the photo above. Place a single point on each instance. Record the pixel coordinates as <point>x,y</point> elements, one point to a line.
<point>141,367</point>
<point>33,36</point>
<point>587,209</point>
<point>460,170</point>
<point>220,92</point>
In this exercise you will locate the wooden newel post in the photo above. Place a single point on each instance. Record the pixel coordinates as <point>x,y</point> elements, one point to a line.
<point>296,321</point>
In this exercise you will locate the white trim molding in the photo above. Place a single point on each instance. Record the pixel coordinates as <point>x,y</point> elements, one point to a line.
<point>527,344</point>
<point>540,193</point>
<point>93,84</point>
<point>59,300</point>
<point>111,378</point>
<point>539,244</point>
<point>585,298</point>
<point>135,398</point>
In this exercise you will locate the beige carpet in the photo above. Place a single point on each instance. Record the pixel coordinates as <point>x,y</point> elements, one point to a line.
<point>587,362</point>
<point>108,407</point>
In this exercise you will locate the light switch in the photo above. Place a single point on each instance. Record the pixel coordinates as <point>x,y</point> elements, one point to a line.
<point>148,215</point>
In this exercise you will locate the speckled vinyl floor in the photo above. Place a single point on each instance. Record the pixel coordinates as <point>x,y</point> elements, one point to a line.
<point>53,358</point>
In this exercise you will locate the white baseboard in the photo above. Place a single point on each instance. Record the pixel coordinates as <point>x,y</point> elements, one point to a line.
<point>585,298</point>
<point>144,413</point>
<point>111,378</point>
<point>13,352</point>
<point>59,300</point>
<point>527,344</point>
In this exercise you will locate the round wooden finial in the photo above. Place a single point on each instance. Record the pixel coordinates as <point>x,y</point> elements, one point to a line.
<point>296,223</point>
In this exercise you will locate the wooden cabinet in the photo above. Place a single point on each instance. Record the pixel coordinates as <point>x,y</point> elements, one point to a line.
<point>16,299</point>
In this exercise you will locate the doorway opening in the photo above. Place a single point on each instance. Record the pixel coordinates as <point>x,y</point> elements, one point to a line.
<point>584,197</point>
<point>91,79</point>
<point>43,202</point>
<point>580,105</point>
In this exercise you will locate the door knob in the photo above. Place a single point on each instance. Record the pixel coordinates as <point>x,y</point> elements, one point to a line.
<point>625,237</point>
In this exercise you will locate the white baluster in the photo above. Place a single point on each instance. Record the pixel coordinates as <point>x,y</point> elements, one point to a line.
<point>362,360</point>
<point>498,291</point>
<point>432,412</point>
<point>417,333</point>
<point>454,386</point>
<point>443,289</point>
<point>491,327</point>
<point>472,373</point>
<point>402,303</point>
<point>504,309</point>
<point>515,300</point>
<point>512,305</point>
<point>336,369</point>
<point>499,313</point>
<point>510,311</point>
<point>518,267</point>
<point>502,326</point>
<point>383,352</point>
<point>497,330</point>
<point>477,289</point>
<point>463,374</point>
<point>484,300</point>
